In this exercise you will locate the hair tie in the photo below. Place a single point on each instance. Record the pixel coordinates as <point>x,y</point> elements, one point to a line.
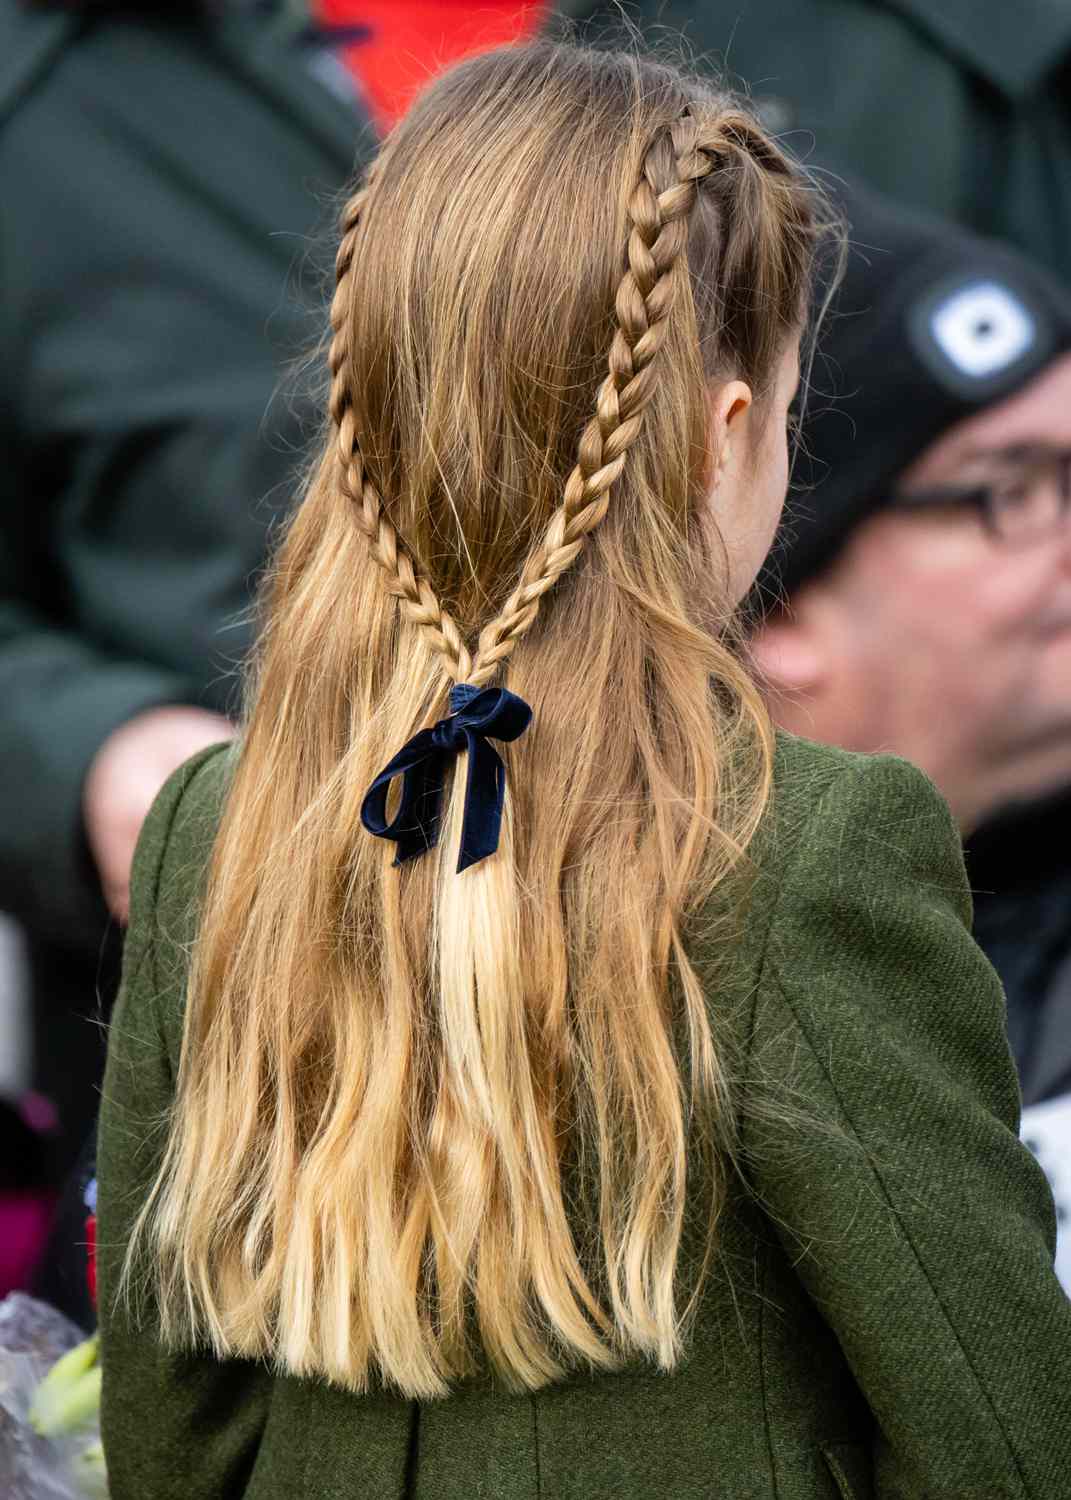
<point>476,715</point>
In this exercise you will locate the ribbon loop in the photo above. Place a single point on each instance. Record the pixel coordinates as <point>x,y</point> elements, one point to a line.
<point>477,716</point>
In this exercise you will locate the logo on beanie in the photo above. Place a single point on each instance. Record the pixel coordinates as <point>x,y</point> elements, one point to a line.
<point>978,335</point>
<point>983,328</point>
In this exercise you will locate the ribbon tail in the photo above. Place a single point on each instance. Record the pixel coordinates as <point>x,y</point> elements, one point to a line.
<point>485,794</point>
<point>415,826</point>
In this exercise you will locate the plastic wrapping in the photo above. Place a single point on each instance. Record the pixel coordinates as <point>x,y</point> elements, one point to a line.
<point>67,1465</point>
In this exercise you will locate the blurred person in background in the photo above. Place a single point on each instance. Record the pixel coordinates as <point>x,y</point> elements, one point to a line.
<point>959,107</point>
<point>161,170</point>
<point>925,575</point>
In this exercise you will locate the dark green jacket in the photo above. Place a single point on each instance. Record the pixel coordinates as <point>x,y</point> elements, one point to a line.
<point>882,1321</point>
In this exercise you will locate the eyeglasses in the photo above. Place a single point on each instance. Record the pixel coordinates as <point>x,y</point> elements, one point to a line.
<point>1026,502</point>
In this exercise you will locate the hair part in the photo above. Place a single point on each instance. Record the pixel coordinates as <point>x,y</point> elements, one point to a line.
<point>426,1120</point>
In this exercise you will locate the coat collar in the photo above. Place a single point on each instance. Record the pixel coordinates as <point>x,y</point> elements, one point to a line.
<point>1013,44</point>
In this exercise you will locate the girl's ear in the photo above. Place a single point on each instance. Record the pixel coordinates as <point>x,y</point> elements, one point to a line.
<point>729,405</point>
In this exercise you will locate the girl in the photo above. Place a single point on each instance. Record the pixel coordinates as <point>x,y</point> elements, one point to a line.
<point>556,1087</point>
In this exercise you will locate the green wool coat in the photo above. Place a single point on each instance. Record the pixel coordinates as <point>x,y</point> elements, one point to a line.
<point>882,1319</point>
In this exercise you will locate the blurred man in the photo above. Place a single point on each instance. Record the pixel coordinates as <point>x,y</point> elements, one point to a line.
<point>924,579</point>
<point>926,558</point>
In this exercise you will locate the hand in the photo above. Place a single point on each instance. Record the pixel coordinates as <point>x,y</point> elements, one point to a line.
<point>125,775</point>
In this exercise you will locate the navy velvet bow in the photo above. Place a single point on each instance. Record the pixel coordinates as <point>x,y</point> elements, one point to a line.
<point>477,714</point>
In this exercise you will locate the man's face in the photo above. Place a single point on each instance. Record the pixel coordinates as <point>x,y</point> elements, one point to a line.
<point>954,646</point>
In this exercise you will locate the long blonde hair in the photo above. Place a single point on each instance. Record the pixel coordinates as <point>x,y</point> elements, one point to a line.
<point>425,1118</point>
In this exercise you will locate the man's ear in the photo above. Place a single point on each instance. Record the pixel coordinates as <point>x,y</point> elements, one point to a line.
<point>787,650</point>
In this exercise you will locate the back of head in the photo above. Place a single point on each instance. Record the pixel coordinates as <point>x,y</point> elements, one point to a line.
<point>388,1071</point>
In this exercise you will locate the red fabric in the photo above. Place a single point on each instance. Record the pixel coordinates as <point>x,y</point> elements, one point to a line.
<point>91,1257</point>
<point>412,40</point>
<point>25,1218</point>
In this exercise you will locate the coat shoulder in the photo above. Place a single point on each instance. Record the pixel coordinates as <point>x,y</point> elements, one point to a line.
<point>823,801</point>
<point>183,824</point>
<point>804,770</point>
<point>178,833</point>
<point>806,777</point>
<point>818,787</point>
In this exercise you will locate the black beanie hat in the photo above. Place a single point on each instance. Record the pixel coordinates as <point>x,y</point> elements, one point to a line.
<point>930,325</point>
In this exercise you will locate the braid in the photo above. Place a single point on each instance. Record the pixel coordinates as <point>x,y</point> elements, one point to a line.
<point>657,240</point>
<point>415,595</point>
